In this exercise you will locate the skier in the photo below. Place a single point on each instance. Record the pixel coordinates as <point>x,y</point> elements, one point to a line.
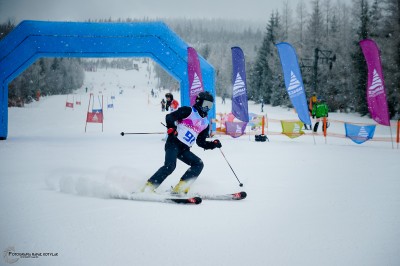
<point>163,103</point>
<point>170,106</point>
<point>223,97</point>
<point>320,109</point>
<point>171,103</point>
<point>185,126</point>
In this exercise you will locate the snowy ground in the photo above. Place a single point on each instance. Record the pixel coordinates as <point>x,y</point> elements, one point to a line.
<point>333,203</point>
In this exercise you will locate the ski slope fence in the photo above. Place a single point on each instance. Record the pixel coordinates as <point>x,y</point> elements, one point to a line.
<point>336,129</point>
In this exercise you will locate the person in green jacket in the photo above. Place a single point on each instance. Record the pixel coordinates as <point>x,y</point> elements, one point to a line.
<point>320,109</point>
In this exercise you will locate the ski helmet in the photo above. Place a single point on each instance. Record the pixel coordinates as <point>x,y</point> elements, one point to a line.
<point>169,95</point>
<point>204,101</point>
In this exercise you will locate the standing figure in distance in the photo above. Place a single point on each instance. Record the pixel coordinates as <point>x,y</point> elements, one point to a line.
<point>320,109</point>
<point>163,103</point>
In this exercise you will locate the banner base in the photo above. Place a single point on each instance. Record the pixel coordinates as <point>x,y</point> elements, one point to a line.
<point>261,138</point>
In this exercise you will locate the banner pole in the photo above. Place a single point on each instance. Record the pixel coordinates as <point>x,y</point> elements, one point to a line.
<point>102,111</point>
<point>313,134</point>
<point>391,135</point>
<point>90,97</point>
<point>398,133</point>
<point>262,125</point>
<point>220,122</point>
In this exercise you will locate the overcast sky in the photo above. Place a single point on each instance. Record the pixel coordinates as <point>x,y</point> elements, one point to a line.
<point>80,10</point>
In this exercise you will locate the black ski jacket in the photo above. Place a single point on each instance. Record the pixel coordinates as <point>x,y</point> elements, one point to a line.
<point>182,113</point>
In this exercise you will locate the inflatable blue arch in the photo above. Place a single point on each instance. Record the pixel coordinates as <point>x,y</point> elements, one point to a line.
<point>32,40</point>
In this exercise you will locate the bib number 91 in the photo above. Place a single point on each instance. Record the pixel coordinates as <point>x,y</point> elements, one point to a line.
<point>189,137</point>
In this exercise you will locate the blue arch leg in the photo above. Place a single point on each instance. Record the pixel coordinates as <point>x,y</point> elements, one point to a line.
<point>4,113</point>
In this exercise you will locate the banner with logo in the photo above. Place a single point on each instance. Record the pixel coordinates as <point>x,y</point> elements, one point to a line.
<point>235,129</point>
<point>292,129</point>
<point>294,81</point>
<point>194,73</point>
<point>255,121</point>
<point>376,95</point>
<point>240,107</point>
<point>359,134</point>
<point>96,117</point>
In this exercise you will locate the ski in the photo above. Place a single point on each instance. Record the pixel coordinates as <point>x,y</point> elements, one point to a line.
<point>192,200</point>
<point>234,196</point>
<point>154,197</point>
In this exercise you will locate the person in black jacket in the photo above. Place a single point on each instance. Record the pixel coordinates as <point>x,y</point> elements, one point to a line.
<point>186,126</point>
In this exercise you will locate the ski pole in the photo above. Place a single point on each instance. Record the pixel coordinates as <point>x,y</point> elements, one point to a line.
<point>140,133</point>
<point>240,183</point>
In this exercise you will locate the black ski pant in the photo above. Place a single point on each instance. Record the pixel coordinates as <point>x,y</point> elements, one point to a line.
<point>316,126</point>
<point>174,149</point>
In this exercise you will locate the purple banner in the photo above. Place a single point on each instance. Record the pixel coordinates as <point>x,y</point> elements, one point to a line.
<point>376,95</point>
<point>239,95</point>
<point>235,129</point>
<point>194,73</point>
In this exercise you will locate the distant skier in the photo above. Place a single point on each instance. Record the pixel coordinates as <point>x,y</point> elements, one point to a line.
<point>223,97</point>
<point>186,126</point>
<point>171,103</point>
<point>163,103</point>
<point>170,106</point>
<point>320,109</point>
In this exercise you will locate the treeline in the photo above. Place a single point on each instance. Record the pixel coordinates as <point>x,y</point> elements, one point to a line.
<point>116,63</point>
<point>47,76</point>
<point>213,39</point>
<point>327,43</point>
<point>326,37</point>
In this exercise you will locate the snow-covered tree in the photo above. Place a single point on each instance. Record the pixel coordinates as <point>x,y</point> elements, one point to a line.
<point>362,24</point>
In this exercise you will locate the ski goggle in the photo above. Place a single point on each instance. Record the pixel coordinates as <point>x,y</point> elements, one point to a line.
<point>207,105</point>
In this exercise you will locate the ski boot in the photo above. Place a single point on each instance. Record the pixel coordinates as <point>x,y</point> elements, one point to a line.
<point>182,188</point>
<point>149,188</point>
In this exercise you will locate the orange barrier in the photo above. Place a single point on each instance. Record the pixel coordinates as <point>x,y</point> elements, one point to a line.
<point>262,125</point>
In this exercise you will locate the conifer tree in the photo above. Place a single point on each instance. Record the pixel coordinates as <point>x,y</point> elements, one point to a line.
<point>261,77</point>
<point>360,71</point>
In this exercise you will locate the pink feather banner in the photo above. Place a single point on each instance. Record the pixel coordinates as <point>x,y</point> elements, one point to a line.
<point>194,73</point>
<point>376,95</point>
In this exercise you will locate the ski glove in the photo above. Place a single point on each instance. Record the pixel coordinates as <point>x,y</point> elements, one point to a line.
<point>172,131</point>
<point>217,144</point>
